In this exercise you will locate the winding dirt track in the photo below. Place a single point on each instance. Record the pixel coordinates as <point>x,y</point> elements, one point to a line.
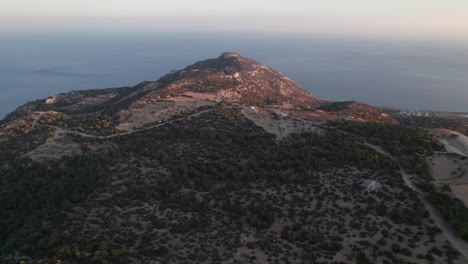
<point>458,243</point>
<point>133,131</point>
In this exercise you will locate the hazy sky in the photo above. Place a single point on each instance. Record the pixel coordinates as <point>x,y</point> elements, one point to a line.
<point>393,17</point>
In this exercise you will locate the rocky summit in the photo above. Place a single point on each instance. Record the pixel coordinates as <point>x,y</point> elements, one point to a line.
<point>226,161</point>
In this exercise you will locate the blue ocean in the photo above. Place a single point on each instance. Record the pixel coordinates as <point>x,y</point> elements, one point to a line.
<point>407,74</point>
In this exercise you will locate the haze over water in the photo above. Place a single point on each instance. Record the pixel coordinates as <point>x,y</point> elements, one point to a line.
<point>397,73</point>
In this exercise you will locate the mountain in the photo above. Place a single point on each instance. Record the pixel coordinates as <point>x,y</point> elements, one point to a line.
<point>231,78</point>
<point>224,161</point>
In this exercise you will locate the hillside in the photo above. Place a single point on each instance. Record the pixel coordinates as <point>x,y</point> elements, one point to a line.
<point>224,161</point>
<point>230,78</point>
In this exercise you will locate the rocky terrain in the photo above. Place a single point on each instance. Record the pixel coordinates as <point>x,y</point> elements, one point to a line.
<point>225,161</point>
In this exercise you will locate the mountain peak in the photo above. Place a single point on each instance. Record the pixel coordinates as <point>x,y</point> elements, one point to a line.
<point>227,55</point>
<point>238,79</point>
<point>231,60</point>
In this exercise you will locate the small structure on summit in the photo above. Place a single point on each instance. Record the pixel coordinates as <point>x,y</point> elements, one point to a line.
<point>227,55</point>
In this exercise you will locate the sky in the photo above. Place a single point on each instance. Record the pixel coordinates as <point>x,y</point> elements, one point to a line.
<point>445,18</point>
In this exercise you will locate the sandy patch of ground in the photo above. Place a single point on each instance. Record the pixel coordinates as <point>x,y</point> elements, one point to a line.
<point>99,99</point>
<point>448,168</point>
<point>451,170</point>
<point>54,150</point>
<point>132,118</point>
<point>92,100</point>
<point>316,116</point>
<point>461,191</point>
<point>55,147</point>
<point>203,96</point>
<point>453,141</point>
<point>160,112</point>
<point>277,122</point>
<point>61,145</point>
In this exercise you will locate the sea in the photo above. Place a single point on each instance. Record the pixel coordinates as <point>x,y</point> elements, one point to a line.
<point>412,74</point>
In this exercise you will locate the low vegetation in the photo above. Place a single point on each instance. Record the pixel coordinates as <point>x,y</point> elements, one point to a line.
<point>214,172</point>
<point>408,144</point>
<point>453,209</point>
<point>89,124</point>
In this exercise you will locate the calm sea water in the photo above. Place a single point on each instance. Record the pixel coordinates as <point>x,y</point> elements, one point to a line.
<point>403,74</point>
